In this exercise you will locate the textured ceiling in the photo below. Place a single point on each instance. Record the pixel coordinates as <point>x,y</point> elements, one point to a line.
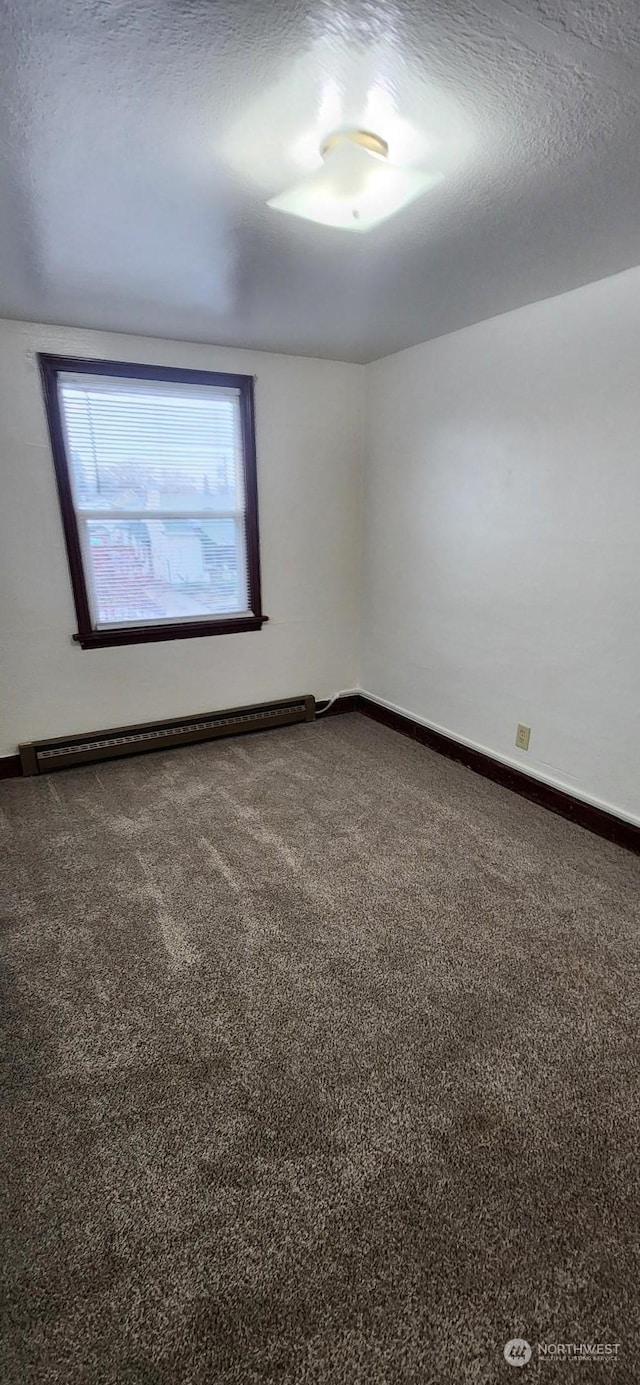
<point>141,138</point>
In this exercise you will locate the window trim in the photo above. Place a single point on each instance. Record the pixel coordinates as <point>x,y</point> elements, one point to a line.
<point>87,636</point>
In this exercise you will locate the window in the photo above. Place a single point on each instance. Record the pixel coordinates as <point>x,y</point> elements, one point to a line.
<point>156,475</point>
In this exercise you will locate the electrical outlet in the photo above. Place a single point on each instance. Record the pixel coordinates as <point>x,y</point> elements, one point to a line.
<point>522,737</point>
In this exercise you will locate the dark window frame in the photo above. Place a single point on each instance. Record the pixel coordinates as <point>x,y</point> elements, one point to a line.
<point>87,636</point>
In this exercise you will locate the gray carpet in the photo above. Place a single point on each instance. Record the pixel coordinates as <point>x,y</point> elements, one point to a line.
<point>320,1069</point>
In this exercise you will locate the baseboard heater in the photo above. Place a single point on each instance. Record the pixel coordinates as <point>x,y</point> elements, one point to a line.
<point>41,757</point>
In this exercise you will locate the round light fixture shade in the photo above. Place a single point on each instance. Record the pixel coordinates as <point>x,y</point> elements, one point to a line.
<point>356,187</point>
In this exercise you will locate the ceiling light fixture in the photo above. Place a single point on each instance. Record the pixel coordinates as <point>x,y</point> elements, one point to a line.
<point>356,187</point>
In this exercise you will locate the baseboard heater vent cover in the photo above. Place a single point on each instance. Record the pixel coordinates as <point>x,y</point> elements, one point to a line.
<point>41,757</point>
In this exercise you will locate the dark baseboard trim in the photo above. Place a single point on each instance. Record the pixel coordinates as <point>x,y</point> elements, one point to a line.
<point>350,703</point>
<point>10,766</point>
<point>556,800</point>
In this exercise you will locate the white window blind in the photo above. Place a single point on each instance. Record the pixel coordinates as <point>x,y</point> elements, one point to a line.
<point>157,479</point>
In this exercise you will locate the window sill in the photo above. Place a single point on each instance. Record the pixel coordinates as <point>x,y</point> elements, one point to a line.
<point>145,634</point>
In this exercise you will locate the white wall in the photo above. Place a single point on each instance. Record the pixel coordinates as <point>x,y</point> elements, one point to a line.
<point>502,550</point>
<point>309,443</point>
